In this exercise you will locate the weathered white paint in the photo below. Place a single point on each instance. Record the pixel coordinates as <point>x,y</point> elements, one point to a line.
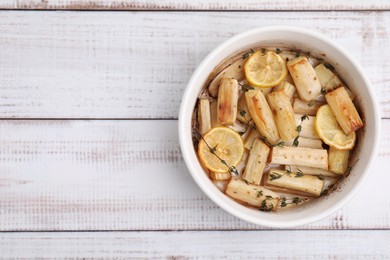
<point>129,175</point>
<point>198,5</point>
<point>137,64</point>
<point>199,245</point>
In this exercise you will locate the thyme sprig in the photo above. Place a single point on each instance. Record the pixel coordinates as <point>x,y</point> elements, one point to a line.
<point>274,176</point>
<point>266,208</point>
<point>264,139</point>
<point>246,54</point>
<point>284,201</point>
<point>299,129</point>
<point>212,150</point>
<point>297,200</point>
<point>246,87</point>
<point>299,174</point>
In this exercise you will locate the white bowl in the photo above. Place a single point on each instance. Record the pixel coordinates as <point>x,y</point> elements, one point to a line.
<point>354,77</point>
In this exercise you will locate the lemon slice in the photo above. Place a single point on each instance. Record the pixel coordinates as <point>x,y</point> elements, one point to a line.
<point>330,132</point>
<point>265,70</point>
<point>225,144</point>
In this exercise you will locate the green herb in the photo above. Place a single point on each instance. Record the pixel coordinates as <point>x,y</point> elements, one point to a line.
<point>242,113</point>
<point>323,90</point>
<point>299,129</point>
<point>259,193</point>
<point>264,139</point>
<point>310,103</point>
<point>212,150</point>
<point>278,50</point>
<point>329,66</point>
<point>246,87</point>
<point>275,176</point>
<point>241,133</point>
<point>269,197</point>
<point>297,200</point>
<point>289,169</point>
<point>283,202</point>
<point>321,177</point>
<point>247,183</point>
<point>246,54</point>
<point>264,207</point>
<point>296,142</point>
<point>304,117</point>
<point>263,50</point>
<point>299,174</point>
<point>297,54</point>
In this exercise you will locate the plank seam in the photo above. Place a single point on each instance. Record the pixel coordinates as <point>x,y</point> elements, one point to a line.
<point>194,10</point>
<point>191,230</point>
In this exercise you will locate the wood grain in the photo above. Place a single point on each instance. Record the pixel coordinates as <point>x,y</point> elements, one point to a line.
<point>199,245</point>
<point>137,64</point>
<point>129,175</point>
<point>197,5</point>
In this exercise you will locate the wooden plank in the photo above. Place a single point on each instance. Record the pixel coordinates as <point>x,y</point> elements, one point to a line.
<point>129,175</point>
<point>137,64</point>
<point>196,245</point>
<point>197,5</point>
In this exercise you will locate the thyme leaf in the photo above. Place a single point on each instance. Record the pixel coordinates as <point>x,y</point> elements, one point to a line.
<point>246,54</point>
<point>283,202</point>
<point>264,139</point>
<point>297,200</point>
<point>246,87</point>
<point>299,129</point>
<point>275,176</point>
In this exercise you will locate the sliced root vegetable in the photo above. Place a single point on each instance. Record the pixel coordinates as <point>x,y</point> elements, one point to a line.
<point>283,114</point>
<point>252,194</point>
<point>262,115</point>
<point>257,160</point>
<point>296,181</point>
<point>305,78</point>
<point>344,110</point>
<point>204,120</point>
<point>300,157</point>
<point>227,101</point>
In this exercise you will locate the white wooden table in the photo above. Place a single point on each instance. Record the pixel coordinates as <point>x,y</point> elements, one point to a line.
<point>90,165</point>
